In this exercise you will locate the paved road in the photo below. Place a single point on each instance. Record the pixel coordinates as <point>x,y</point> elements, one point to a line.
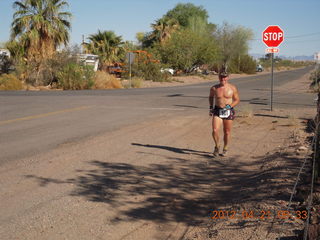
<point>35,122</point>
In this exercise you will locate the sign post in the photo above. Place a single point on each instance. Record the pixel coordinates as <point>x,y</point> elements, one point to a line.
<point>272,36</point>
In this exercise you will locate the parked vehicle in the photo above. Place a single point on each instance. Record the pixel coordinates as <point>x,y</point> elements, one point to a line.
<point>116,69</point>
<point>167,70</point>
<point>259,68</point>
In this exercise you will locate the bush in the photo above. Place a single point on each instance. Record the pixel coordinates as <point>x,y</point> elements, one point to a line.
<point>46,71</point>
<point>152,71</point>
<point>10,82</point>
<point>147,70</point>
<point>105,80</point>
<point>186,49</point>
<point>247,65</point>
<point>76,77</point>
<point>243,64</point>
<point>136,82</point>
<point>315,78</point>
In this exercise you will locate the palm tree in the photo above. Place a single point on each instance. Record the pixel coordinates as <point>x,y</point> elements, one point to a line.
<point>163,29</point>
<point>107,45</point>
<point>40,26</point>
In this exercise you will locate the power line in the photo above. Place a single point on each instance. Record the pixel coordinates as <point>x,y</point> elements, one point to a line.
<point>316,40</point>
<point>296,36</point>
<point>304,35</point>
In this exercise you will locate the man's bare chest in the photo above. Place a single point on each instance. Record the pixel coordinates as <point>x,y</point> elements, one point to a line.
<point>226,92</point>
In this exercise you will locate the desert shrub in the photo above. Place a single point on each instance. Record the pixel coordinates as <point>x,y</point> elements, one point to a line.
<point>136,82</point>
<point>186,49</point>
<point>56,64</point>
<point>151,71</point>
<point>315,79</point>
<point>76,77</point>
<point>147,70</point>
<point>283,64</point>
<point>103,80</point>
<point>247,64</point>
<point>10,82</point>
<point>242,64</point>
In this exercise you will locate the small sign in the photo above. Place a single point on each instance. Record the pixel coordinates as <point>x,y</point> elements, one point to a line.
<point>272,50</point>
<point>130,57</point>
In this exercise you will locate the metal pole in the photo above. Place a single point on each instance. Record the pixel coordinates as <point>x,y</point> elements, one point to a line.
<point>130,69</point>
<point>271,104</point>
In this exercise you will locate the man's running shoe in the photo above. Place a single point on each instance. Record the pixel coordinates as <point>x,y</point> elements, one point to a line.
<point>215,152</point>
<point>224,152</point>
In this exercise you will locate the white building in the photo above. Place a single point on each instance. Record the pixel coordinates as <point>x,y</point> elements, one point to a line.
<point>89,59</point>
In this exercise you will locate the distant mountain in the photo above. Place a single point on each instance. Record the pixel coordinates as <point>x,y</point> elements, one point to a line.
<point>297,58</point>
<point>256,55</point>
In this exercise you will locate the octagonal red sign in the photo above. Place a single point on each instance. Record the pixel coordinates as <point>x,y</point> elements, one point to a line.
<point>273,36</point>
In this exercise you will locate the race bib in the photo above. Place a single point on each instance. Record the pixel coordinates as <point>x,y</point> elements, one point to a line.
<point>224,113</point>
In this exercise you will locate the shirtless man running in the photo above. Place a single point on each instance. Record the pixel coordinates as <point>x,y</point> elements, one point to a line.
<point>226,97</point>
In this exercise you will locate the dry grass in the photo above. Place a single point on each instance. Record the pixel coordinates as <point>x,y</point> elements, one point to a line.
<point>135,83</point>
<point>293,121</point>
<point>10,82</point>
<point>105,80</point>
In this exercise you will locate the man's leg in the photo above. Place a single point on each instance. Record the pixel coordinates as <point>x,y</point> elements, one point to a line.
<point>216,124</point>
<point>227,125</point>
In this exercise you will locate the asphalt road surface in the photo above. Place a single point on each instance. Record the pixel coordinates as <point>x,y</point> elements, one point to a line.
<point>35,122</point>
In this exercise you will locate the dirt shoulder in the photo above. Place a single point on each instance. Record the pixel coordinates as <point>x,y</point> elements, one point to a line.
<point>158,180</point>
<point>194,79</point>
<point>187,80</point>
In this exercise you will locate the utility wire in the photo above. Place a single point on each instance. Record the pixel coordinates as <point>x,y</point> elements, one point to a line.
<point>316,40</point>
<point>296,36</point>
<point>303,35</point>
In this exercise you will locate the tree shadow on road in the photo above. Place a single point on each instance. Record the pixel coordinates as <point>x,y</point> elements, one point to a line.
<point>182,189</point>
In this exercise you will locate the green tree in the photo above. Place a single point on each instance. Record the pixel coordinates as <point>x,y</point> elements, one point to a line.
<point>182,16</point>
<point>107,45</point>
<point>186,49</point>
<point>140,37</point>
<point>39,27</point>
<point>183,12</point>
<point>163,29</point>
<point>233,42</point>
<point>17,50</point>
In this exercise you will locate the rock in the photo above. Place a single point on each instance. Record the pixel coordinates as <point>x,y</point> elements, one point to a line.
<point>303,148</point>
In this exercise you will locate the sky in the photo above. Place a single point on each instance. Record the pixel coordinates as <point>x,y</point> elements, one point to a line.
<point>299,19</point>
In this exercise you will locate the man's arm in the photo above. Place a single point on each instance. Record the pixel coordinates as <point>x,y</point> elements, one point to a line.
<point>235,97</point>
<point>211,96</point>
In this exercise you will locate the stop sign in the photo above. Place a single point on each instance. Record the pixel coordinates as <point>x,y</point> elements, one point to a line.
<point>272,36</point>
